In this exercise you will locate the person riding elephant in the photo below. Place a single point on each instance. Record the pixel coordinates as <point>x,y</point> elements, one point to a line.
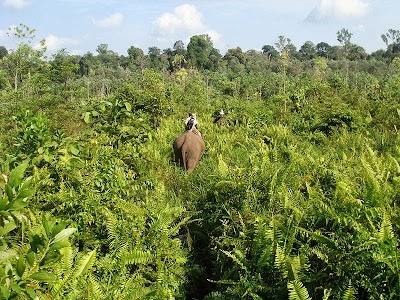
<point>190,121</point>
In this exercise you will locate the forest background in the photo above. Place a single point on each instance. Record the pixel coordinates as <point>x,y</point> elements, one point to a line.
<point>295,198</point>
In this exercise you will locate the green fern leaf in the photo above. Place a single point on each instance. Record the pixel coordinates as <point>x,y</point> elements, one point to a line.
<point>85,263</point>
<point>297,291</point>
<point>111,228</point>
<point>235,259</point>
<point>294,265</point>
<point>319,237</point>
<point>94,288</point>
<point>280,261</point>
<point>137,257</point>
<point>350,293</point>
<point>386,229</point>
<point>273,234</point>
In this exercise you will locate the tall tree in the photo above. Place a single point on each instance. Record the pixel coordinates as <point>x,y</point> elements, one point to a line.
<point>154,55</point>
<point>335,52</point>
<point>179,48</point>
<point>235,59</point>
<point>391,37</point>
<point>235,53</point>
<point>86,63</point>
<point>270,51</point>
<point>323,49</point>
<point>199,50</point>
<point>107,58</point>
<point>285,47</point>
<point>26,59</point>
<point>344,38</point>
<point>136,57</point>
<point>178,62</point>
<point>356,52</point>
<point>103,49</point>
<point>63,67</point>
<point>282,44</point>
<point>392,41</point>
<point>308,50</point>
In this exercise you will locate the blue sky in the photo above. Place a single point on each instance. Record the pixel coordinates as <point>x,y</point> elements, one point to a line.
<point>81,25</point>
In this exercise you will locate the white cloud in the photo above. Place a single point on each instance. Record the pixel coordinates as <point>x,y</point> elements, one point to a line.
<point>214,35</point>
<point>54,43</point>
<point>114,20</point>
<point>17,4</point>
<point>339,10</point>
<point>186,21</point>
<point>186,18</point>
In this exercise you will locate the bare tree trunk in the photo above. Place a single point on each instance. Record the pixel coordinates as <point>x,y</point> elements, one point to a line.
<point>16,82</point>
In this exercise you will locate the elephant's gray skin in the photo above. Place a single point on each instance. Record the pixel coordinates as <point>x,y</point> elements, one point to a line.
<point>188,148</point>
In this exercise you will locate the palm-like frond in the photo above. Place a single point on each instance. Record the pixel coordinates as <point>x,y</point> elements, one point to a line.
<point>350,293</point>
<point>386,228</point>
<point>297,291</point>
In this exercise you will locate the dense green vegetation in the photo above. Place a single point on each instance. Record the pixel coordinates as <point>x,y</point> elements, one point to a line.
<point>296,196</point>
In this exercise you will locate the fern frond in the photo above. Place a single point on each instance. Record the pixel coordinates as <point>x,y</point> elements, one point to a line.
<point>85,263</point>
<point>274,233</point>
<point>174,230</point>
<point>72,274</point>
<point>67,261</point>
<point>280,261</point>
<point>68,256</point>
<point>294,266</point>
<point>255,296</point>
<point>137,257</point>
<point>132,289</point>
<point>94,288</point>
<point>297,291</point>
<point>386,228</point>
<point>120,250</point>
<point>319,237</point>
<point>318,252</point>
<point>235,259</point>
<point>264,257</point>
<point>350,293</point>
<point>395,163</point>
<point>111,225</point>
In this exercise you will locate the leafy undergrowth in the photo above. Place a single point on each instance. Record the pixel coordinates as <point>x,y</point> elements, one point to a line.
<point>289,201</point>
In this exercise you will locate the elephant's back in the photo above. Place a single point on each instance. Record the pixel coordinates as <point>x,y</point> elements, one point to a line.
<point>189,140</point>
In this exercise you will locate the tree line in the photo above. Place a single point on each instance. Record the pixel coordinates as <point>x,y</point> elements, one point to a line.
<point>200,54</point>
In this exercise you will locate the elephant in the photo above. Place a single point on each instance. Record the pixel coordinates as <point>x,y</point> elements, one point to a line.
<point>188,149</point>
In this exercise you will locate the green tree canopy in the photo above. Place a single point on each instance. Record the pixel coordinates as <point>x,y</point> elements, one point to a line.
<point>3,51</point>
<point>235,53</point>
<point>63,67</point>
<point>308,50</point>
<point>201,53</point>
<point>179,48</point>
<point>344,38</point>
<point>392,41</point>
<point>270,51</point>
<point>25,60</point>
<point>136,57</point>
<point>323,49</point>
